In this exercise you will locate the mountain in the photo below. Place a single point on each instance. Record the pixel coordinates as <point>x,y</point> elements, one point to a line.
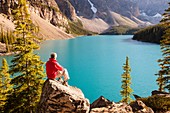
<point>105,13</point>
<point>152,7</point>
<point>44,14</point>
<point>151,10</point>
<point>73,16</point>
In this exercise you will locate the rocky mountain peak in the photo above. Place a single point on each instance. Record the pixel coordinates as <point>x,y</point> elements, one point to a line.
<point>67,9</point>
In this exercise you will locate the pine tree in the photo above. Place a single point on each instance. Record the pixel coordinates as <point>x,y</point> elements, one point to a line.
<point>2,35</point>
<point>163,79</point>
<point>5,86</point>
<point>27,68</point>
<point>126,82</point>
<point>7,43</point>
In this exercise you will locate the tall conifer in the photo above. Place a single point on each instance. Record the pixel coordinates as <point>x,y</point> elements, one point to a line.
<point>27,68</point>
<point>5,86</point>
<point>163,79</point>
<point>126,82</point>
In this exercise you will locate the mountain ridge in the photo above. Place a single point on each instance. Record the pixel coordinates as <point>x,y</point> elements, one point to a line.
<point>106,13</point>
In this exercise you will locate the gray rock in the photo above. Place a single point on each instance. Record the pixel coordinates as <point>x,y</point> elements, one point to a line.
<point>100,102</point>
<point>57,98</point>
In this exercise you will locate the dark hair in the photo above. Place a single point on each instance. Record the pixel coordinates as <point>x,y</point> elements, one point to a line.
<point>52,56</point>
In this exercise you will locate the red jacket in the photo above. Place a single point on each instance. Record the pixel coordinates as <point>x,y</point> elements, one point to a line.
<point>52,68</point>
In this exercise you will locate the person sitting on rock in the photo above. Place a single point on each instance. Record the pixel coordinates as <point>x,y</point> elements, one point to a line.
<point>55,70</point>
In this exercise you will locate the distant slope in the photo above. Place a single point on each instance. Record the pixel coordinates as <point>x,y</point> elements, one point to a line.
<point>95,25</point>
<point>117,19</point>
<point>114,19</point>
<point>6,23</point>
<point>120,30</point>
<point>47,30</point>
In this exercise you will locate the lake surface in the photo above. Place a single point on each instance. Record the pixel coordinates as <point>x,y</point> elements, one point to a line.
<point>95,63</point>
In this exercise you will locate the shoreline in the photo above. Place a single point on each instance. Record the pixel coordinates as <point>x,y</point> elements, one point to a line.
<point>3,48</point>
<point>7,54</point>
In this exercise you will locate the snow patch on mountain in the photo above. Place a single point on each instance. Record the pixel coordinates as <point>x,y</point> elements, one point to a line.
<point>144,14</point>
<point>153,19</point>
<point>92,7</point>
<point>157,15</point>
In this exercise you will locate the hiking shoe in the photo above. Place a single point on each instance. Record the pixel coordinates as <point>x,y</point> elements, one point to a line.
<point>65,83</point>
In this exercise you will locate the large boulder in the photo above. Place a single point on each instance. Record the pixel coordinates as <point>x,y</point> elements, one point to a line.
<point>57,98</point>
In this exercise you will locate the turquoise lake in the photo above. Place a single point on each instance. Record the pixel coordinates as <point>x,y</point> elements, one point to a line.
<point>95,63</point>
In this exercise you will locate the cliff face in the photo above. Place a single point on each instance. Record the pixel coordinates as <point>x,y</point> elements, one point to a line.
<point>67,9</point>
<point>46,9</point>
<point>82,8</point>
<point>123,7</point>
<point>44,13</point>
<point>49,10</point>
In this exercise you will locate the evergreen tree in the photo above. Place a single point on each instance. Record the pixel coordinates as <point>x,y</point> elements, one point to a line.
<point>126,82</point>
<point>163,79</point>
<point>5,86</point>
<point>27,68</point>
<point>7,43</point>
<point>2,35</point>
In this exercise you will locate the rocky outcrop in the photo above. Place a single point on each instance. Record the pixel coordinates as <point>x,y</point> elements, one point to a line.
<point>158,102</point>
<point>139,107</point>
<point>102,105</point>
<point>57,98</point>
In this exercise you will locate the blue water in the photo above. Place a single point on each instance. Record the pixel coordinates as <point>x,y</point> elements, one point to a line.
<point>95,63</point>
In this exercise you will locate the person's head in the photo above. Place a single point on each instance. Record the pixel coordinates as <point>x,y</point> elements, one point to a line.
<point>54,55</point>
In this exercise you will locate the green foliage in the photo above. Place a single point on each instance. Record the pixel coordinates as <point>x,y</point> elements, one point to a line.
<point>150,34</point>
<point>163,79</point>
<point>157,103</point>
<point>126,82</point>
<point>27,68</point>
<point>121,30</point>
<point>5,86</point>
<point>77,29</point>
